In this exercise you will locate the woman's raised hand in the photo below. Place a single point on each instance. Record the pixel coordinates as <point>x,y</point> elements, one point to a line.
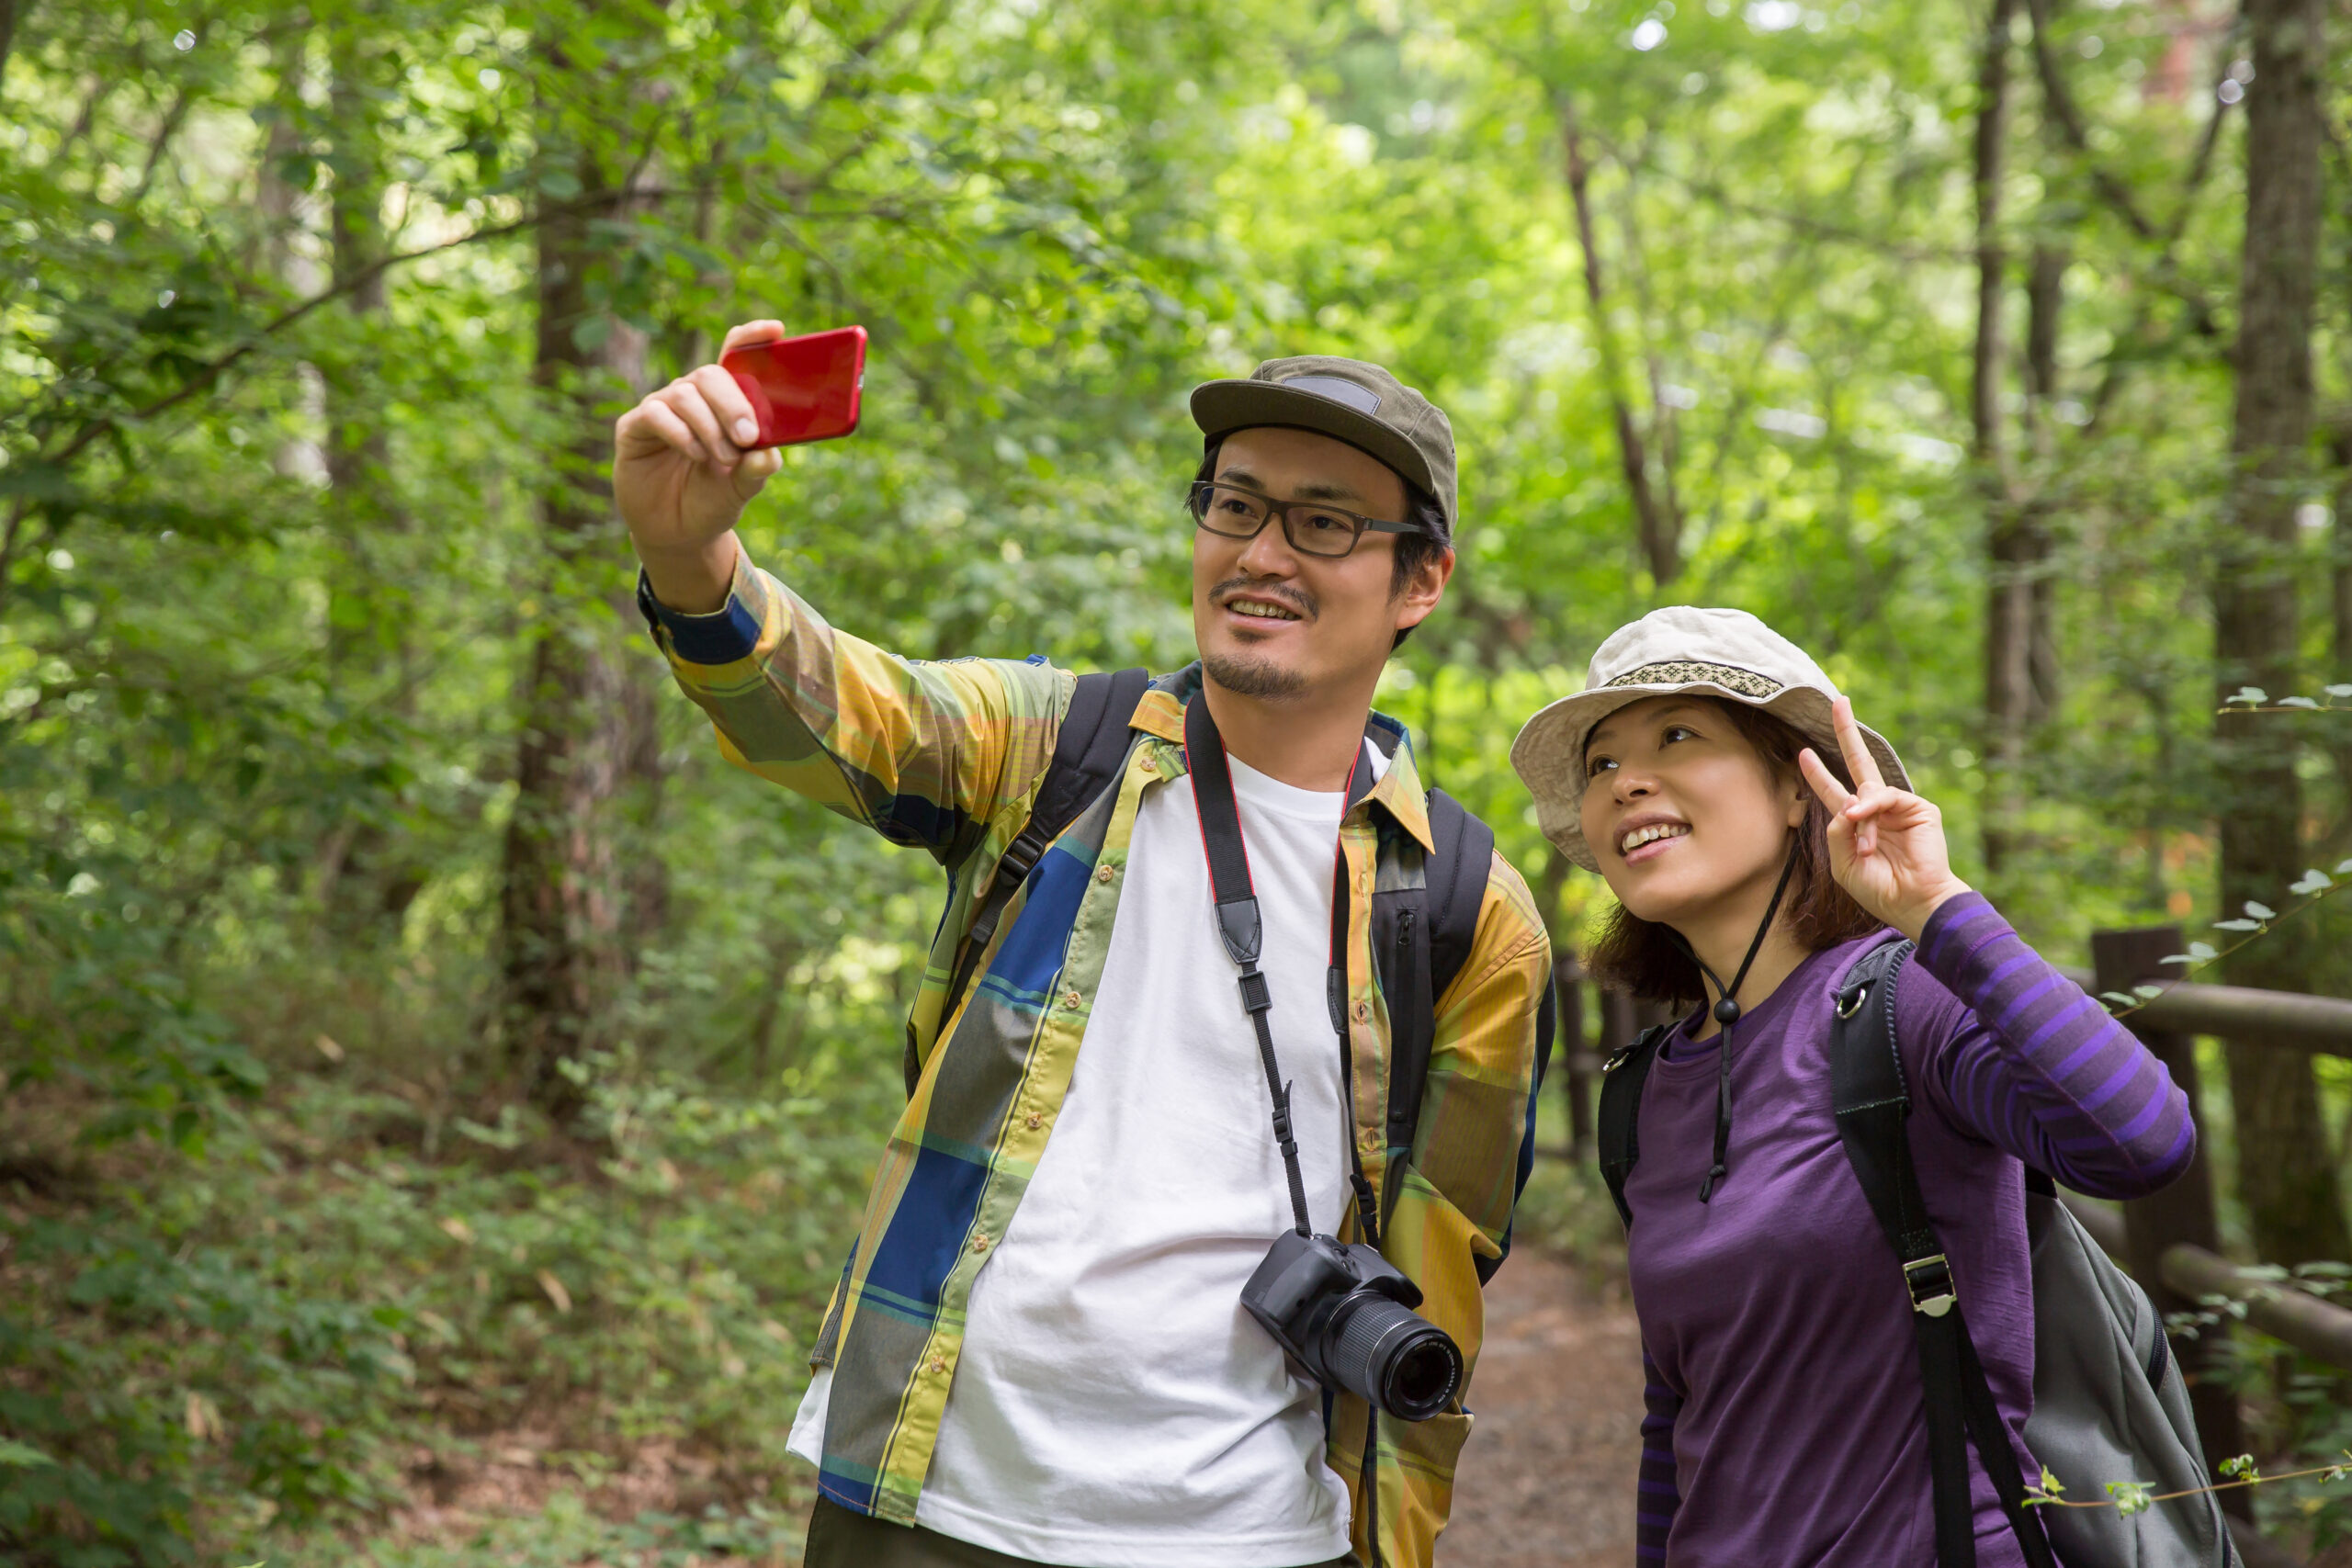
<point>1886,845</point>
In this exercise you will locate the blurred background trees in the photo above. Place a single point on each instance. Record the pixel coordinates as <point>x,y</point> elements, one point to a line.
<point>408,1027</point>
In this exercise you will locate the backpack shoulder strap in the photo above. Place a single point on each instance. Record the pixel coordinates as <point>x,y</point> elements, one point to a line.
<point>1421,936</point>
<point>1618,1122</point>
<point>1874,1106</point>
<point>1087,749</point>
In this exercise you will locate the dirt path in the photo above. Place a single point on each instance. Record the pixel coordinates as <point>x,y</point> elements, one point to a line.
<point>1547,1480</point>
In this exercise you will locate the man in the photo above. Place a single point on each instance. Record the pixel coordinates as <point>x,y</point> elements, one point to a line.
<point>1038,1352</point>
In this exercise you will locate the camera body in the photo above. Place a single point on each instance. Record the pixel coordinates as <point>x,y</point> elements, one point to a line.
<point>1343,1315</point>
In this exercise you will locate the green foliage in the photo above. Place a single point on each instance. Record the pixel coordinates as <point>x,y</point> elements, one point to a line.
<point>281,435</point>
<point>267,1335</point>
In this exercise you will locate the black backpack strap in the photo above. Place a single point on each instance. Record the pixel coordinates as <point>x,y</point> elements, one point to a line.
<point>1421,936</point>
<point>1873,1105</point>
<point>1088,751</point>
<point>1616,1132</point>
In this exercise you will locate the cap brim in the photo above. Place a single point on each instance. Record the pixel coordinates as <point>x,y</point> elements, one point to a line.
<point>1220,408</point>
<point>1549,754</point>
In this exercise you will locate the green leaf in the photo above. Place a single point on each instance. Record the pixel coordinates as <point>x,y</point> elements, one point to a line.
<point>2119,999</point>
<point>2242,1468</point>
<point>2130,1496</point>
<point>2297,702</point>
<point>2252,695</point>
<point>2312,882</point>
<point>22,1455</point>
<point>2203,951</point>
<point>2259,911</point>
<point>2338,691</point>
<point>2147,993</point>
<point>2238,925</point>
<point>2176,958</point>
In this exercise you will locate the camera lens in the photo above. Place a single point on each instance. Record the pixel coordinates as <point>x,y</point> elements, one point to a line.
<point>1394,1357</point>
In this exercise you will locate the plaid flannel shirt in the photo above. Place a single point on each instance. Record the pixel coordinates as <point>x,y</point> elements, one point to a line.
<point>949,755</point>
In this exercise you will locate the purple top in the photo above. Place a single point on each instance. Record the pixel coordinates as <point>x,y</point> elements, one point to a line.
<point>1785,1423</point>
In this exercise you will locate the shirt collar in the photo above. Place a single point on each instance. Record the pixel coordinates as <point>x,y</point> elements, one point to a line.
<point>1160,713</point>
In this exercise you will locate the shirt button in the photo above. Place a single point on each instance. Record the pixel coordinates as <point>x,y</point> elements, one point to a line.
<point>1069,999</point>
<point>1150,764</point>
<point>939,1363</point>
<point>1033,1120</point>
<point>1104,873</point>
<point>980,1244</point>
<point>1361,1010</point>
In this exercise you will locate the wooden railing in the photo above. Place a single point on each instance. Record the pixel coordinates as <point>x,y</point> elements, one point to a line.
<point>2170,1242</point>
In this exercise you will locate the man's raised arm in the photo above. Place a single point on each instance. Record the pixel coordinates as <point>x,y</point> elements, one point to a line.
<point>926,754</point>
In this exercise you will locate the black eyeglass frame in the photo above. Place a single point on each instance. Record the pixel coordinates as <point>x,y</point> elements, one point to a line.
<point>1196,499</point>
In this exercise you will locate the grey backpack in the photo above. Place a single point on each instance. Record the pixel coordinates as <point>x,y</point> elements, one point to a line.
<point>2108,1404</point>
<point>2108,1399</point>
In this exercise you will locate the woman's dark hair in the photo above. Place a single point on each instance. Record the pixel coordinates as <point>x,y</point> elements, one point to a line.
<point>1413,550</point>
<point>1640,956</point>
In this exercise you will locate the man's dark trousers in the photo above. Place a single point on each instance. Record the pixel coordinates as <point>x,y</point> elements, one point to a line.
<point>841,1537</point>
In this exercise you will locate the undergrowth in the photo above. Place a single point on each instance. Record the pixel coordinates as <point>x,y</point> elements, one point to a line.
<point>272,1346</point>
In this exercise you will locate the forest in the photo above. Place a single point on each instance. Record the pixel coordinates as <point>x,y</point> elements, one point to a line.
<point>417,1046</point>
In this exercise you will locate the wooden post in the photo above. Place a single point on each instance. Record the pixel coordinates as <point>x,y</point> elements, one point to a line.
<point>1617,1025</point>
<point>1576,1071</point>
<point>2182,1211</point>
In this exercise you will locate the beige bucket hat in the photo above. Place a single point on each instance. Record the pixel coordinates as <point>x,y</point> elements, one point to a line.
<point>1727,654</point>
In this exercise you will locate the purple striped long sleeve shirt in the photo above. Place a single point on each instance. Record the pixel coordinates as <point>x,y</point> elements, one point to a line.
<point>1784,1422</point>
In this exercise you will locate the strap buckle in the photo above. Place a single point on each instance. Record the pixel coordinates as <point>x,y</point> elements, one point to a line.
<point>1850,1002</point>
<point>1929,1282</point>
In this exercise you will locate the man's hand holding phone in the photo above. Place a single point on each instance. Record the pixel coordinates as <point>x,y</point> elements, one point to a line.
<point>689,456</point>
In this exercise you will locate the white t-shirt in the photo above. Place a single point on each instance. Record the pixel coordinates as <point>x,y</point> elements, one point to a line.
<point>1114,1407</point>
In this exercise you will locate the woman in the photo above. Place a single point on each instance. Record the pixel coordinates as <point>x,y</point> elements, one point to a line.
<point>1751,829</point>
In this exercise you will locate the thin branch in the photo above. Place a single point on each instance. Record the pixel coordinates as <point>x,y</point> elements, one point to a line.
<point>181,103</point>
<point>1658,531</point>
<point>2068,116</point>
<point>2115,366</point>
<point>214,368</point>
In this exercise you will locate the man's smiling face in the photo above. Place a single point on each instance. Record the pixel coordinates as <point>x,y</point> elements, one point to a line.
<point>1276,622</point>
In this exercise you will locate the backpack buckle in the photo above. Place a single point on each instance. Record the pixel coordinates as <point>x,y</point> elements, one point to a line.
<point>1850,1002</point>
<point>1929,1282</point>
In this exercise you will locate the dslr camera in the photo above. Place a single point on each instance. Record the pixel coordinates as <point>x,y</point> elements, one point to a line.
<point>1344,1315</point>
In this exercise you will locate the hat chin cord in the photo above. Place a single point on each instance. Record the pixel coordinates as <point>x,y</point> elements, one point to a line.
<point>1726,1013</point>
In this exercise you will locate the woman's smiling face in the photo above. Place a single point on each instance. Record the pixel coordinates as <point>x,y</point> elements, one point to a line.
<point>1679,808</point>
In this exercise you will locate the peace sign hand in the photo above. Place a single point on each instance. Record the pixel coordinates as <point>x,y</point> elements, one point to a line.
<point>1886,845</point>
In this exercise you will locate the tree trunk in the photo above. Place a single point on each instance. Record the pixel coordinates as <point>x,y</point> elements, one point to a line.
<point>1656,514</point>
<point>11,13</point>
<point>562,901</point>
<point>2009,607</point>
<point>2285,1176</point>
<point>2339,447</point>
<point>366,882</point>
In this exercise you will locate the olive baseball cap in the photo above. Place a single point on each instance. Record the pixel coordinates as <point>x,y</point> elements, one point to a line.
<point>1349,401</point>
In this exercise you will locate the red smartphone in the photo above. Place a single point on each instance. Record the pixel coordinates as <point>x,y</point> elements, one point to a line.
<point>802,389</point>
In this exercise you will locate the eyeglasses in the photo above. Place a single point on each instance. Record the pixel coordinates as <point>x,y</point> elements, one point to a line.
<point>1312,528</point>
